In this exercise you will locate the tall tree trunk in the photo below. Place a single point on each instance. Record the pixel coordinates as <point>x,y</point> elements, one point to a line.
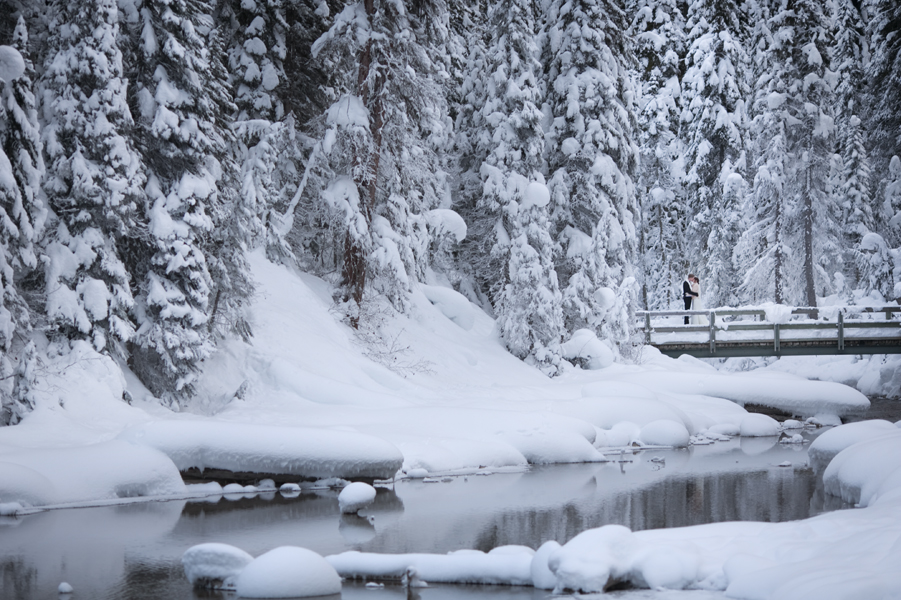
<point>366,168</point>
<point>777,255</point>
<point>807,215</point>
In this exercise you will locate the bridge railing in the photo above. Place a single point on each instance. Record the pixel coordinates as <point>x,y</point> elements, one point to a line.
<point>821,326</point>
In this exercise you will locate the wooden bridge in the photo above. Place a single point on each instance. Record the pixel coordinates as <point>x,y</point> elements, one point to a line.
<point>806,331</point>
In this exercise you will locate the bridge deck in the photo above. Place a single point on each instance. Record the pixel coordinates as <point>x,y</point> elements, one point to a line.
<point>730,334</point>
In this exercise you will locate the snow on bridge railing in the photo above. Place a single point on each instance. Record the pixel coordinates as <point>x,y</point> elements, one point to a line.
<point>805,326</point>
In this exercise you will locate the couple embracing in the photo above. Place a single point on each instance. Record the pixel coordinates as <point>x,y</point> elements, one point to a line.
<point>691,295</point>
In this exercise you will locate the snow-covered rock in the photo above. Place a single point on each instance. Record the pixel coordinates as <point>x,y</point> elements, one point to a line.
<point>863,472</point>
<point>214,566</point>
<point>542,577</point>
<point>664,432</point>
<point>756,425</point>
<point>355,496</point>
<point>288,572</point>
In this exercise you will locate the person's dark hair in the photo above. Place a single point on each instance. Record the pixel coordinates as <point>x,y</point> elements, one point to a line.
<point>690,276</point>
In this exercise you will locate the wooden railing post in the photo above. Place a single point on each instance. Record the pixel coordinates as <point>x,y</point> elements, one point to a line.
<point>712,332</point>
<point>647,328</point>
<point>841,330</point>
<point>776,338</point>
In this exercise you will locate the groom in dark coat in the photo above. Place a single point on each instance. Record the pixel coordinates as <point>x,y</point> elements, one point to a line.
<point>687,294</point>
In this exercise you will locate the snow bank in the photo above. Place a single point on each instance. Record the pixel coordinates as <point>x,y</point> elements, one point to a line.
<point>296,451</point>
<point>288,572</point>
<point>864,471</point>
<point>501,566</point>
<point>829,443</point>
<point>109,470</point>
<point>214,566</point>
<point>839,555</point>
<point>784,391</point>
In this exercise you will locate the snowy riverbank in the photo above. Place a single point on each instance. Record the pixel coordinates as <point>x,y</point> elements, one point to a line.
<point>436,393</point>
<point>432,393</point>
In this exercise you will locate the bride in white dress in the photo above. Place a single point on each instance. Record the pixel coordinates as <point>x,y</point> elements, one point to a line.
<point>697,304</point>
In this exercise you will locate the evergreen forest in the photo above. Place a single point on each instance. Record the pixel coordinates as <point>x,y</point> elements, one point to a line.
<point>560,163</point>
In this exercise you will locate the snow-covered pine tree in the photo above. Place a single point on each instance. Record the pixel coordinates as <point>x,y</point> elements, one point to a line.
<point>714,129</point>
<point>891,202</point>
<point>470,148</point>
<point>658,32</point>
<point>883,124</point>
<point>267,142</point>
<point>382,135</point>
<point>513,208</point>
<point>256,55</point>
<point>93,177</point>
<point>795,99</point>
<point>22,209</point>
<point>22,398</point>
<point>848,64</point>
<point>182,98</point>
<point>235,221</point>
<point>594,161</point>
<point>762,253</point>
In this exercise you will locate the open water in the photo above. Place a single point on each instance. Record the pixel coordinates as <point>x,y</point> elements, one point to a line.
<point>133,551</point>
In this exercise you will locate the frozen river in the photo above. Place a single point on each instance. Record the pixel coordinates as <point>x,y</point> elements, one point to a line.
<point>133,551</point>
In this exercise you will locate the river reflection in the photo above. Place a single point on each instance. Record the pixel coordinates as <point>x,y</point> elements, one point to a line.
<point>133,552</point>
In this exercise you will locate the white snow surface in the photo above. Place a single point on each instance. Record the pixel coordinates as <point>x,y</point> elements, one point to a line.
<point>214,566</point>
<point>355,496</point>
<point>104,471</point>
<point>304,452</point>
<point>664,433</point>
<point>758,426</point>
<point>504,565</point>
<point>288,572</point>
<point>839,555</point>
<point>424,395</point>
<point>823,449</point>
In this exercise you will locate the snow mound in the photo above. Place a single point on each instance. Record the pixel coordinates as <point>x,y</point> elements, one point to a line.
<point>855,477</point>
<point>464,566</point>
<point>755,425</point>
<point>664,433</point>
<point>542,577</point>
<point>592,560</point>
<point>355,496</point>
<point>585,345</point>
<point>288,572</point>
<point>214,566</point>
<point>452,304</point>
<point>297,451</point>
<point>105,471</point>
<point>828,444</point>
